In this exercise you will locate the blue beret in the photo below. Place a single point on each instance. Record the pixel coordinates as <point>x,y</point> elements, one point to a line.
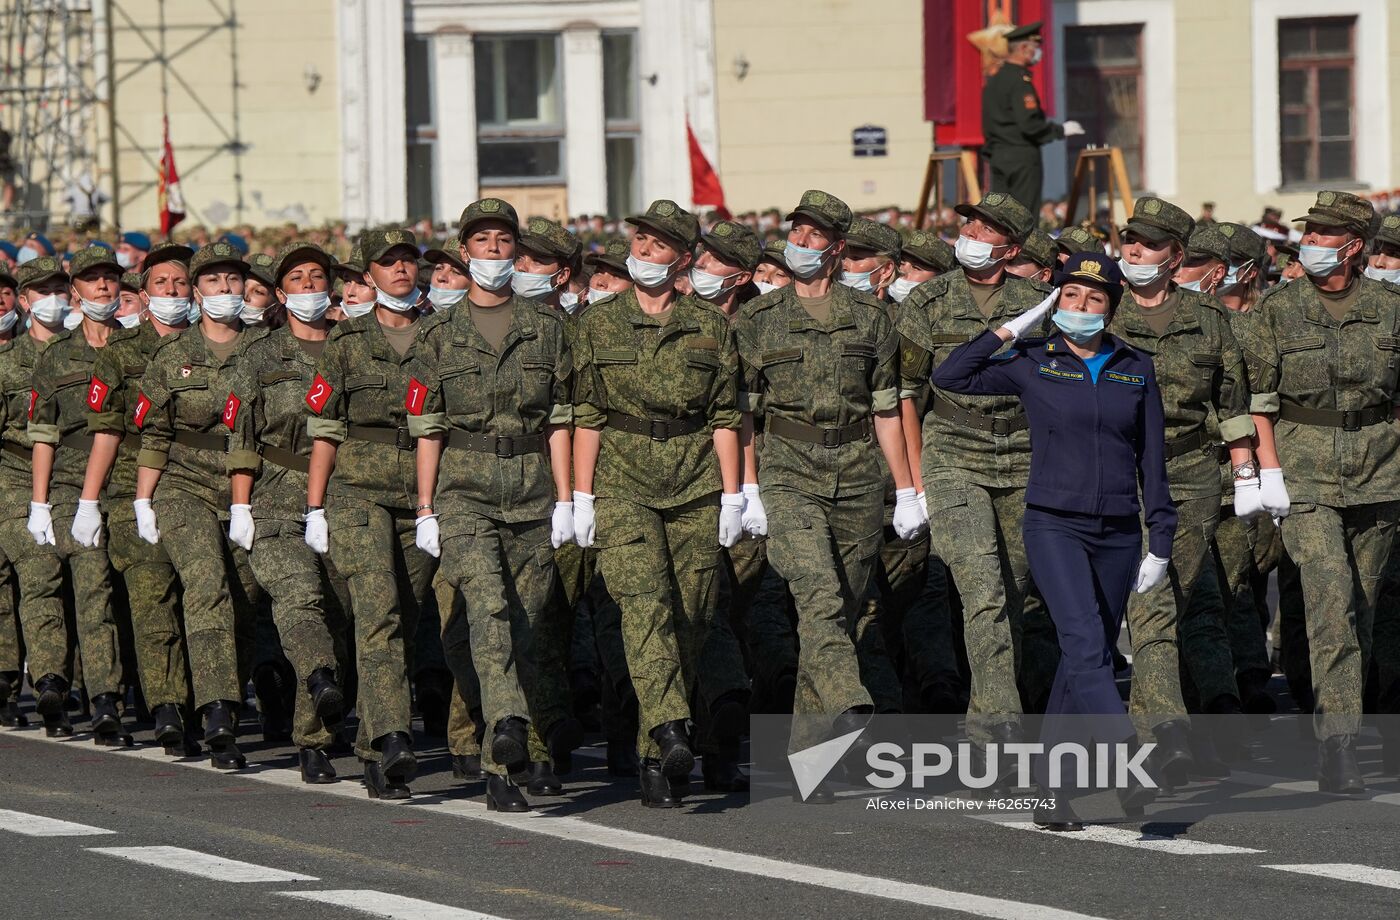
<point>42,240</point>
<point>140,240</point>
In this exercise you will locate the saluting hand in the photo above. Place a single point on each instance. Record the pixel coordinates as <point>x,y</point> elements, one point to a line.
<point>1022,324</point>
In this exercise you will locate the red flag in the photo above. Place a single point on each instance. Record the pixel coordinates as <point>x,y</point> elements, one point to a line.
<point>172,203</point>
<point>704,181</point>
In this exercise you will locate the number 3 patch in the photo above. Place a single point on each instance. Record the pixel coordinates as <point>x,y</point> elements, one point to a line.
<point>143,405</point>
<point>231,411</point>
<point>416,392</point>
<point>319,394</point>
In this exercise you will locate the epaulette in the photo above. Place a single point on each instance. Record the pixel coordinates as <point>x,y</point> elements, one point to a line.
<point>169,341</point>
<point>762,302</point>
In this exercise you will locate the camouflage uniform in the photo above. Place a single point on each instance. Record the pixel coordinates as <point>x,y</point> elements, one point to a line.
<point>357,401</point>
<point>1333,387</point>
<point>657,390</point>
<point>152,587</point>
<point>976,461</point>
<point>495,494</point>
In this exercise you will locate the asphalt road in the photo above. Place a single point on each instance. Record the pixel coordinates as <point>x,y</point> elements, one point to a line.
<point>330,852</point>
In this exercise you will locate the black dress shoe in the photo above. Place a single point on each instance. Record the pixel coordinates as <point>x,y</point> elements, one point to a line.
<point>1337,770</point>
<point>397,761</point>
<point>220,722</point>
<point>50,695</point>
<point>1060,818</point>
<point>510,747</point>
<point>543,781</point>
<point>622,758</point>
<point>721,770</point>
<point>676,758</point>
<point>656,787</point>
<point>170,728</point>
<point>380,786</point>
<point>466,766</point>
<point>504,795</point>
<point>1172,757</point>
<point>316,767</point>
<point>564,737</point>
<point>326,697</point>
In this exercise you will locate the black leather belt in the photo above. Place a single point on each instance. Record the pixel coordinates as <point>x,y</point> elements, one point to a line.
<point>393,437</point>
<point>657,429</point>
<point>1196,440</point>
<point>286,459</point>
<point>1347,420</point>
<point>201,441</point>
<point>502,446</point>
<point>979,421</point>
<point>811,434</point>
<point>19,450</point>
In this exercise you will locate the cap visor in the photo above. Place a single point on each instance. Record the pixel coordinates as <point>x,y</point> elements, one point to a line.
<point>641,220</point>
<point>1148,232</point>
<point>971,210</point>
<point>816,216</point>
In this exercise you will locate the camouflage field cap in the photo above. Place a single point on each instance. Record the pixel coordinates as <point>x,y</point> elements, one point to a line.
<point>874,236</point>
<point>1389,230</point>
<point>544,237</point>
<point>1159,221</point>
<point>37,271</point>
<point>354,263</point>
<point>928,248</point>
<point>1245,244</point>
<point>1041,249</point>
<point>264,268</point>
<point>670,220</point>
<point>293,254</point>
<point>167,252</point>
<point>613,257</point>
<point>487,209</point>
<point>1078,239</point>
<point>374,244</point>
<point>216,255</point>
<point>775,251</point>
<point>90,258</point>
<point>131,281</point>
<point>824,208</point>
<point>438,256</point>
<point>1207,241</point>
<point>1004,211</point>
<point>734,243</point>
<point>1341,209</point>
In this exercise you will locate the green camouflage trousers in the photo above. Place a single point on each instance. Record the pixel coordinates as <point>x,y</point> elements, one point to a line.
<point>662,568</point>
<point>153,595</point>
<point>90,577</point>
<point>1245,551</point>
<point>11,648</point>
<point>389,580</point>
<point>1341,554</point>
<point>827,550</point>
<point>39,571</point>
<point>464,725</point>
<point>976,531</point>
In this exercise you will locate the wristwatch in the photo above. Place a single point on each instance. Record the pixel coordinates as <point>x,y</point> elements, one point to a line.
<point>1246,470</point>
<point>311,508</point>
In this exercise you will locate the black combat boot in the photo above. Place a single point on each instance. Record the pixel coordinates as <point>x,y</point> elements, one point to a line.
<point>326,697</point>
<point>510,747</point>
<point>316,767</point>
<point>656,787</point>
<point>220,730</point>
<point>677,759</point>
<point>504,795</point>
<point>107,730</point>
<point>10,716</point>
<point>1337,770</point>
<point>1172,756</point>
<point>275,693</point>
<point>170,728</point>
<point>397,760</point>
<point>543,781</point>
<point>380,786</point>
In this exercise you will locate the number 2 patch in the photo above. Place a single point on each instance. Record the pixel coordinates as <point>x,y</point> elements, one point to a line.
<point>143,405</point>
<point>97,394</point>
<point>231,411</point>
<point>417,392</point>
<point>319,394</point>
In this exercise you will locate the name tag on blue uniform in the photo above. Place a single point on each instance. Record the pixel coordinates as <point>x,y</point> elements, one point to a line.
<point>1057,374</point>
<point>1137,380</point>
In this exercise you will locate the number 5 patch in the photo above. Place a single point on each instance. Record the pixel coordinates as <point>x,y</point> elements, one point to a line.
<point>231,411</point>
<point>416,394</point>
<point>319,394</point>
<point>97,394</point>
<point>143,405</point>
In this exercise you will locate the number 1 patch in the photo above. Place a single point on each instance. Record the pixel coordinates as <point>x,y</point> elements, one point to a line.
<point>97,394</point>
<point>319,394</point>
<point>143,405</point>
<point>416,394</point>
<point>231,411</point>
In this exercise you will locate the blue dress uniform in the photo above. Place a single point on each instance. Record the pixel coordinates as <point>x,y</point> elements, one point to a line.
<point>1096,439</point>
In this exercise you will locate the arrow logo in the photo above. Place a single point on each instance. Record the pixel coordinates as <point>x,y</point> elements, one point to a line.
<point>811,765</point>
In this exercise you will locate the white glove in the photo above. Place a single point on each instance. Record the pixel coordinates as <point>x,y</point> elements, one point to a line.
<point>561,526</point>
<point>146,521</point>
<point>1151,573</point>
<point>908,518</point>
<point>1273,494</point>
<point>1023,323</point>
<point>427,535</point>
<point>240,525</point>
<point>1073,128</point>
<point>583,519</point>
<point>87,523</point>
<point>41,523</point>
<point>1247,502</point>
<point>731,518</point>
<point>318,535</point>
<point>755,517</point>
<point>923,505</point>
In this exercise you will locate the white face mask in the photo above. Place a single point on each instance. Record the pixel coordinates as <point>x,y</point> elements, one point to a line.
<point>8,320</point>
<point>1036,55</point>
<point>397,304</point>
<point>1193,285</point>
<point>193,313</point>
<point>649,274</point>
<point>309,307</point>
<point>1141,275</point>
<point>443,298</point>
<point>125,260</point>
<point>532,284</point>
<point>101,312</point>
<point>222,308</point>
<point>1320,260</point>
<point>804,262</point>
<point>569,301</point>
<point>974,255</point>
<point>491,274</point>
<point>706,285</point>
<point>49,311</point>
<point>130,321</point>
<point>358,309</point>
<point>596,297</point>
<point>765,287</point>
<point>252,316</point>
<point>26,255</point>
<point>170,310</point>
<point>902,288</point>
<point>858,280</point>
<point>72,319</point>
<point>1383,274</point>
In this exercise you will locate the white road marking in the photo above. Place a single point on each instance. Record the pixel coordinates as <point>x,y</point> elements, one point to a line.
<point>578,830</point>
<point>1346,872</point>
<point>18,822</point>
<point>382,904</point>
<point>1093,833</point>
<point>193,862</point>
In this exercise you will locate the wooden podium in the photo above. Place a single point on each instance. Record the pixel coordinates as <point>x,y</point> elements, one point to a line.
<point>964,164</point>
<point>1100,167</point>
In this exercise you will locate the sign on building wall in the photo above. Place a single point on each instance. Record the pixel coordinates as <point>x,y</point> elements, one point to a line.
<point>868,141</point>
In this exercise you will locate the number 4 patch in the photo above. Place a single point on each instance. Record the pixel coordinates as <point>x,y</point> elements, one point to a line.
<point>143,405</point>
<point>231,411</point>
<point>416,393</point>
<point>97,394</point>
<point>319,394</point>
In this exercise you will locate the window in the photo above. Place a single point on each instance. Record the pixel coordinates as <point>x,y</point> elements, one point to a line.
<point>520,122</point>
<point>422,132</point>
<point>1103,91</point>
<point>623,130</point>
<point>1315,92</point>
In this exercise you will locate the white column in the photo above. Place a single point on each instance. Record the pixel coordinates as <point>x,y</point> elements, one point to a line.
<point>386,143</point>
<point>354,116</point>
<point>665,154</point>
<point>454,116</point>
<point>585,150</point>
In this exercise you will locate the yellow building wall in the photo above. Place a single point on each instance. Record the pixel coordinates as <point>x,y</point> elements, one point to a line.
<point>290,168</point>
<point>816,70</point>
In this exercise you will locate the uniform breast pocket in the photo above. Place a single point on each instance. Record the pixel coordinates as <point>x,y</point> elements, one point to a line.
<point>702,367</point>
<point>1388,360</point>
<point>783,374</point>
<point>1303,365</point>
<point>1206,369</point>
<point>616,367</point>
<point>193,400</point>
<point>461,385</point>
<point>857,361</point>
<point>536,381</point>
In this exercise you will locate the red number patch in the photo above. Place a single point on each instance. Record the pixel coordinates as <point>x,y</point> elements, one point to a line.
<point>319,394</point>
<point>416,394</point>
<point>143,405</point>
<point>97,394</point>
<point>231,411</point>
<point>33,401</point>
